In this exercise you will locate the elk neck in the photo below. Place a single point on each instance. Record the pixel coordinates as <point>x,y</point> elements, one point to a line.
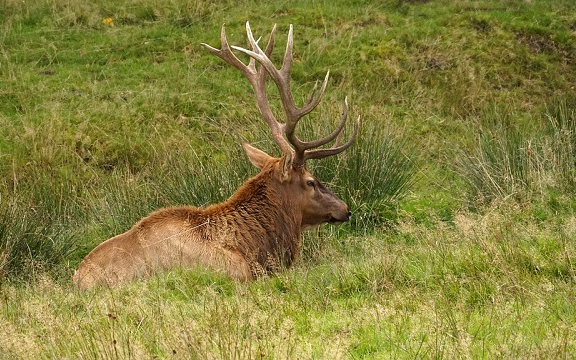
<point>267,217</point>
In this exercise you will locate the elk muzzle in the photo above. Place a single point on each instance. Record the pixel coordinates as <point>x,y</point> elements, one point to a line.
<point>340,218</point>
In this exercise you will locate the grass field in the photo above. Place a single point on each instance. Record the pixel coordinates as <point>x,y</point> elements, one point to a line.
<point>462,182</point>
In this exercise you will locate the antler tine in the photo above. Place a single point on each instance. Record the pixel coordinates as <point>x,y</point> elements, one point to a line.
<point>271,39</point>
<point>227,55</point>
<point>287,61</point>
<point>335,134</point>
<point>253,43</point>
<point>313,100</point>
<point>322,153</point>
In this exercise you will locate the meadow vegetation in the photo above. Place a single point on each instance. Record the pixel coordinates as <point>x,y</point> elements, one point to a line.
<point>462,181</point>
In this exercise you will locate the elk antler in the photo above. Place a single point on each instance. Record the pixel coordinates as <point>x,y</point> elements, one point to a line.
<point>283,133</point>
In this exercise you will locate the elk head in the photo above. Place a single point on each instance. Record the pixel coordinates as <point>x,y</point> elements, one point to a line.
<point>317,203</point>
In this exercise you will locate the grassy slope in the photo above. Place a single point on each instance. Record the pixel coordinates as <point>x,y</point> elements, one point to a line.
<point>102,124</point>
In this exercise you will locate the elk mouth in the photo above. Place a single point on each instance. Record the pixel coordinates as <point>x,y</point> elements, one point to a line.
<point>336,221</point>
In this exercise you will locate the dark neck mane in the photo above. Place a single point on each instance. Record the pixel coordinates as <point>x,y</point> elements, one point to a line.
<point>267,222</point>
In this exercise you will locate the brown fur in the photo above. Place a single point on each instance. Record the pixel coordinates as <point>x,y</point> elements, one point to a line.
<point>255,232</point>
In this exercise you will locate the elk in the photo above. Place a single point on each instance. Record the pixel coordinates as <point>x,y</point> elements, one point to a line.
<point>257,230</point>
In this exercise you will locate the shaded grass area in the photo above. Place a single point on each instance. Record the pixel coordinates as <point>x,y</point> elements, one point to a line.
<point>461,181</point>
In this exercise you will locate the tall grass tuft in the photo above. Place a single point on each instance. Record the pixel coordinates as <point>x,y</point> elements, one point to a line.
<point>498,166</point>
<point>508,162</point>
<point>560,120</point>
<point>35,231</point>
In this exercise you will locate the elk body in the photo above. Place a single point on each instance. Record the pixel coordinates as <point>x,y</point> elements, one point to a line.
<point>257,230</point>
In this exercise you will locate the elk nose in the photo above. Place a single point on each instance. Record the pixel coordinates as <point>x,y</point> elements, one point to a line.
<point>349,214</point>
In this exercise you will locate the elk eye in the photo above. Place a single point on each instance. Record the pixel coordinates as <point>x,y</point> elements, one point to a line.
<point>310,183</point>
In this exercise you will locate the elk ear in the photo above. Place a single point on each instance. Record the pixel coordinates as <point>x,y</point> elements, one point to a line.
<point>286,166</point>
<point>257,157</point>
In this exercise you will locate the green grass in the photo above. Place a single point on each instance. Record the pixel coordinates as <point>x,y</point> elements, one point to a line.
<point>461,181</point>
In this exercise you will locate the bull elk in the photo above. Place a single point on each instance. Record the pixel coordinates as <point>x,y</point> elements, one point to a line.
<point>256,231</point>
